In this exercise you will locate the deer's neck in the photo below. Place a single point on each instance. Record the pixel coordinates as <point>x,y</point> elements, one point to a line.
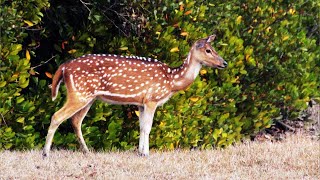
<point>184,75</point>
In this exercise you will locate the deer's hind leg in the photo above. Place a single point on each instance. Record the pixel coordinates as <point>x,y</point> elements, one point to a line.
<point>76,124</point>
<point>71,107</point>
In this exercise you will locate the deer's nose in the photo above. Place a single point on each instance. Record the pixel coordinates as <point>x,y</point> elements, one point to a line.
<point>225,63</point>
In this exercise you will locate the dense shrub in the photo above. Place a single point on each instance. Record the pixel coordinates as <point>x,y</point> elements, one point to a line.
<point>19,23</point>
<point>272,48</point>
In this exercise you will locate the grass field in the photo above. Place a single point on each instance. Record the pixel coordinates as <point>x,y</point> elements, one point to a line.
<point>297,157</point>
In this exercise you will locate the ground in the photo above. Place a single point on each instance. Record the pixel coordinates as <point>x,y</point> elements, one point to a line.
<point>288,150</point>
<point>296,157</point>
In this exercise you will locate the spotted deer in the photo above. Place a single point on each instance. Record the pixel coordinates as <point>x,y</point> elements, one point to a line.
<point>115,79</point>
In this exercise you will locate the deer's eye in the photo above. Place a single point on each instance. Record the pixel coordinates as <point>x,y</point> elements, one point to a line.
<point>208,51</point>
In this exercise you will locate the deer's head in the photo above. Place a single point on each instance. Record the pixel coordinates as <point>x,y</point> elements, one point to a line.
<point>206,55</point>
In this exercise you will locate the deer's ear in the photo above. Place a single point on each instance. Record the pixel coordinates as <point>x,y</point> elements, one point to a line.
<point>200,44</point>
<point>211,38</point>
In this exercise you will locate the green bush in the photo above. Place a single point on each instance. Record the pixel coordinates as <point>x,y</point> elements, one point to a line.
<point>19,21</point>
<point>272,48</point>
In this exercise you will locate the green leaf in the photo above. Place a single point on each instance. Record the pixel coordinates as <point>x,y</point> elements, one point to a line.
<point>20,99</point>
<point>20,120</point>
<point>2,84</point>
<point>15,49</point>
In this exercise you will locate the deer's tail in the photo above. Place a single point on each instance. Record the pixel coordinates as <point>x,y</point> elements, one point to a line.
<point>57,79</point>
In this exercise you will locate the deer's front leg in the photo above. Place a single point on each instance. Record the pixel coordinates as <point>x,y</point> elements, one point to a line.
<point>145,119</point>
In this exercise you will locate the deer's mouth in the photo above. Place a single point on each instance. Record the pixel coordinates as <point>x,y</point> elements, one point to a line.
<point>224,65</point>
<point>218,66</point>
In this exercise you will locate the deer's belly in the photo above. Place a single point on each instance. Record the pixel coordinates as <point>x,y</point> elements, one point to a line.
<point>121,99</point>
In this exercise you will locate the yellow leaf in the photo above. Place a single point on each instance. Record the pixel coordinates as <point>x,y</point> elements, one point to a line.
<point>137,113</point>
<point>181,7</point>
<point>234,81</point>
<point>247,56</point>
<point>72,51</point>
<point>258,9</point>
<point>291,11</point>
<point>32,72</point>
<point>14,76</point>
<point>258,124</point>
<point>175,49</point>
<point>268,29</point>
<point>239,19</point>
<point>49,75</point>
<point>171,146</point>
<point>28,55</point>
<point>28,22</point>
<point>194,98</point>
<point>203,72</point>
<point>123,48</point>
<point>188,12</point>
<point>158,33</point>
<point>285,38</point>
<point>287,97</point>
<point>162,124</point>
<point>184,34</point>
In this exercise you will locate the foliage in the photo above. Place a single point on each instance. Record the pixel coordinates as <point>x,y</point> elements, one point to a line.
<point>272,48</point>
<point>18,19</point>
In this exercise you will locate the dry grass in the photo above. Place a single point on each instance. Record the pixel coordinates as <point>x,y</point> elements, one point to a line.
<point>297,157</point>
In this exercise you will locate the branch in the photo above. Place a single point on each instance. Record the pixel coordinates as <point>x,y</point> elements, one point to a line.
<point>115,25</point>
<point>42,63</point>
<point>3,120</point>
<point>285,126</point>
<point>85,5</point>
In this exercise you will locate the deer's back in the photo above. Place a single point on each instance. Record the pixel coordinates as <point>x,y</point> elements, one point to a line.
<point>126,79</point>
